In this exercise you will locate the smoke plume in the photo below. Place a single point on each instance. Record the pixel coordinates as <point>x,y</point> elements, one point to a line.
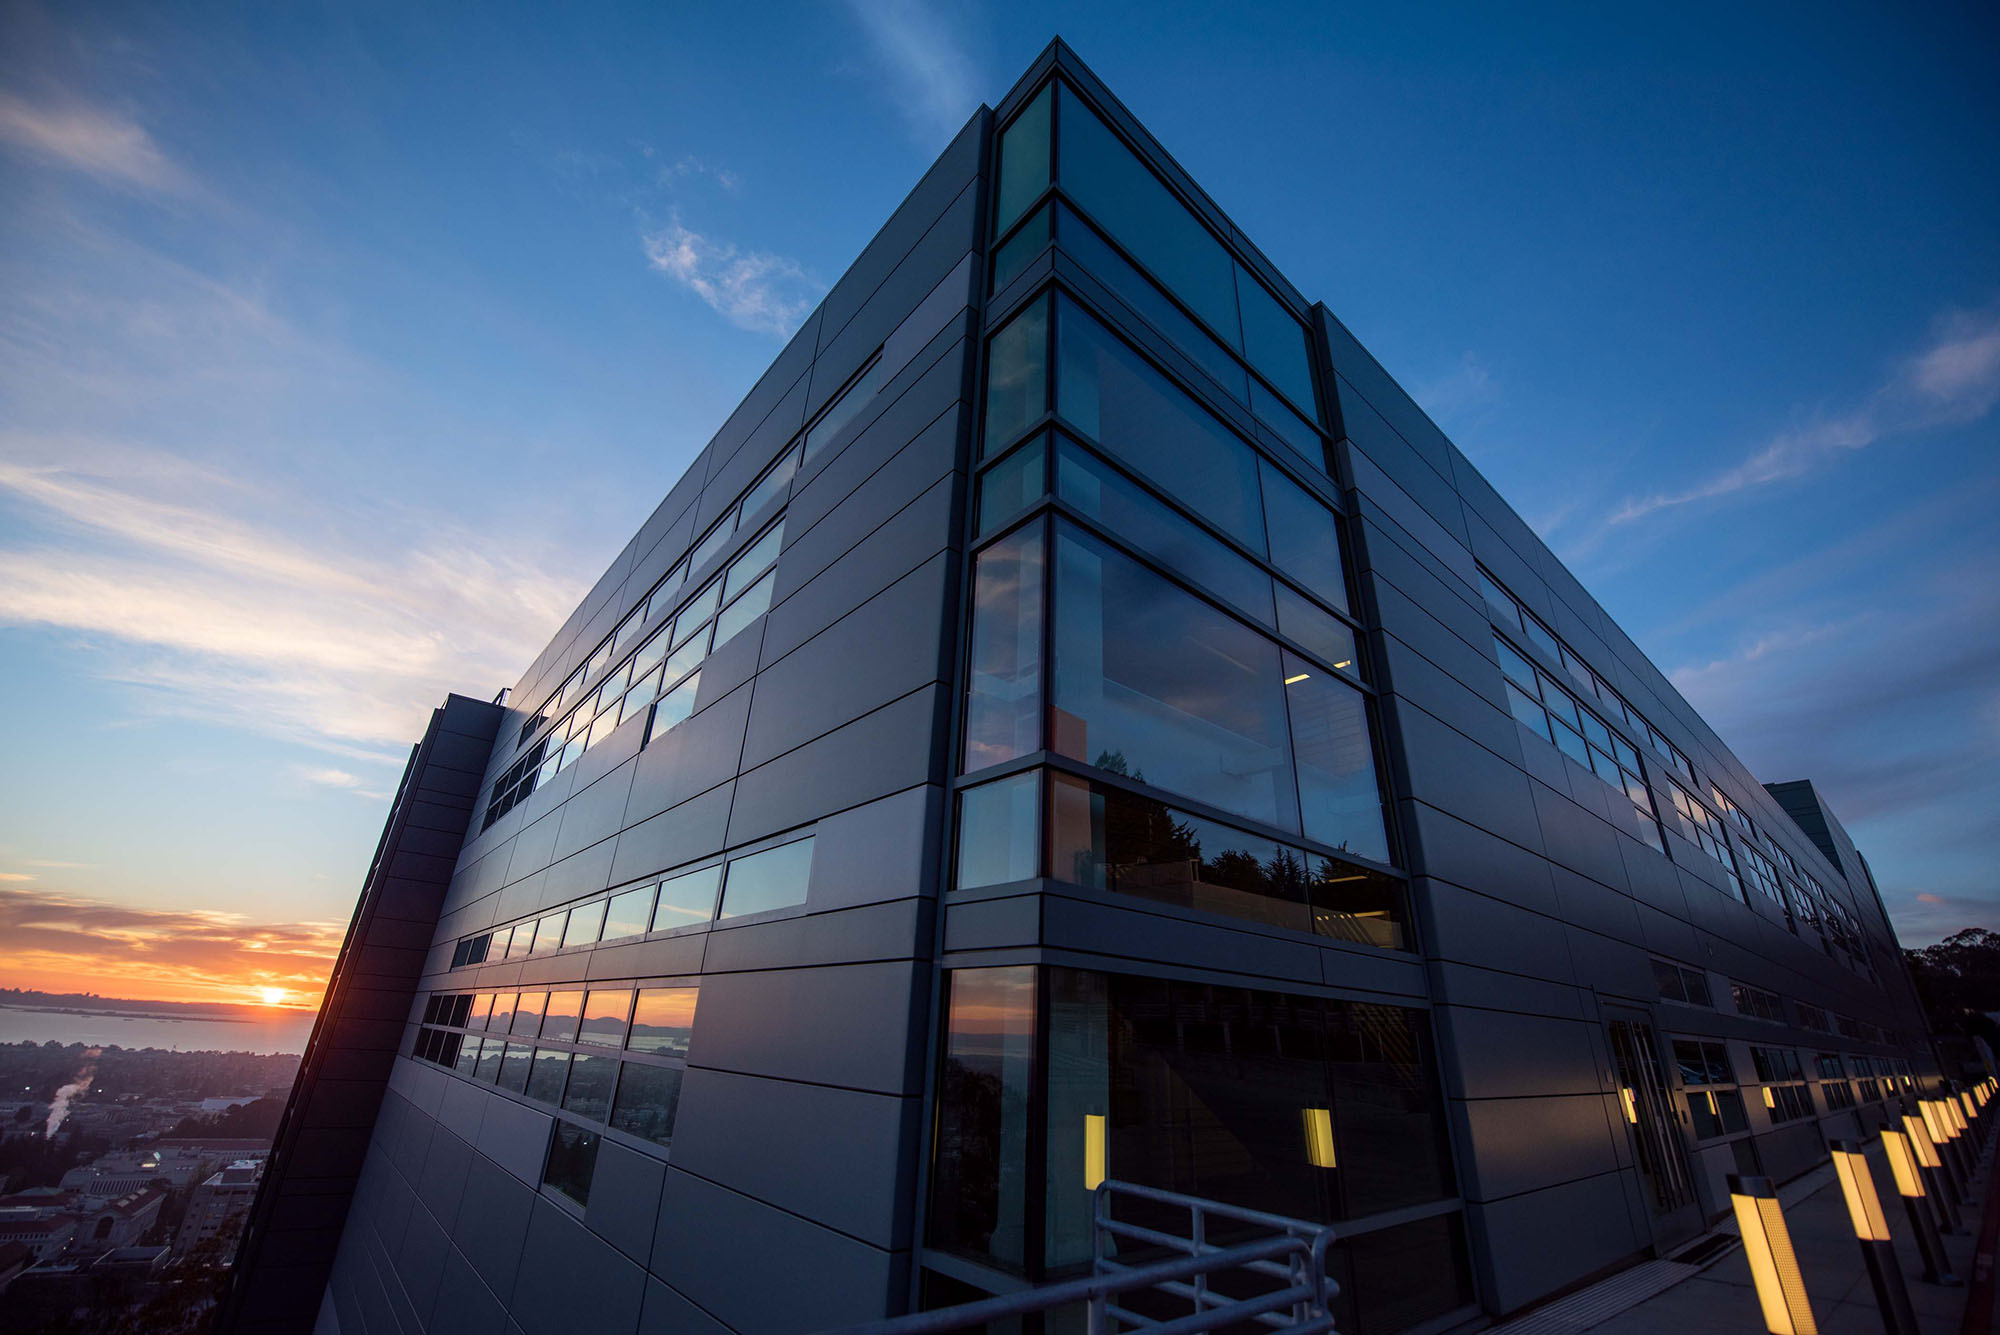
<point>69,1093</point>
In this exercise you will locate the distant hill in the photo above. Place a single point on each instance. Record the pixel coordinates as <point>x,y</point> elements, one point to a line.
<point>29,999</point>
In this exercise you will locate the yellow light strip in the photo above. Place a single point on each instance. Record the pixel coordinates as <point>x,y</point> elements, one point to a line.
<point>1864,1207</point>
<point>1768,1246</point>
<point>1631,1107</point>
<point>1903,1164</point>
<point>1319,1136</point>
<point>1093,1151</point>
<point>1920,1141</point>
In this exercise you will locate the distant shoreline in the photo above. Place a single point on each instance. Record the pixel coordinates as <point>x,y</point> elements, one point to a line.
<point>199,1017</point>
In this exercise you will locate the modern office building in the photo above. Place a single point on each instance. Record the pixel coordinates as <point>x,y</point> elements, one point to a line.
<point>1078,713</point>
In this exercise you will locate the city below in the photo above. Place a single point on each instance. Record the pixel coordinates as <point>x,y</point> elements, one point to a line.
<point>126,1173</point>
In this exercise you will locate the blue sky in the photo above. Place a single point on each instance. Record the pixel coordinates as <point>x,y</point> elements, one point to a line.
<point>341,347</point>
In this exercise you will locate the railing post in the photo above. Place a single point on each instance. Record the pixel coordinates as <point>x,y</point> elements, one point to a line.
<point>1198,1234</point>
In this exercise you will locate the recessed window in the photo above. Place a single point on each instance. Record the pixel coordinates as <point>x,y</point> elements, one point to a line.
<point>585,922</point>
<point>572,1161</point>
<point>1003,705</point>
<point>514,1067</point>
<point>629,914</point>
<point>604,1015</point>
<point>559,1020</point>
<point>997,824</point>
<point>545,1081</point>
<point>648,1097</point>
<point>663,1020</point>
<point>687,899</point>
<point>528,1009</point>
<point>591,1076</point>
<point>773,879</point>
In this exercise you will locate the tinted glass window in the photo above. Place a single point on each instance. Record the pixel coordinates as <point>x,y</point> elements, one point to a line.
<point>589,1091</point>
<point>1305,538</point>
<point>739,614</point>
<point>528,1012</point>
<point>1261,1068</point>
<point>1144,420</point>
<point>673,707</point>
<point>1274,340</point>
<point>1339,797</point>
<point>572,1161</point>
<point>647,1098</point>
<point>756,558</point>
<point>1114,840</point>
<point>1008,488</point>
<point>1081,240</point>
<point>549,931</point>
<point>489,1060</point>
<point>1101,492</point>
<point>770,484</point>
<point>604,1015</point>
<point>1207,719</point>
<point>845,408</point>
<point>996,832</point>
<point>1331,639</point>
<point>979,1181</point>
<point>1017,376</point>
<point>1123,194</point>
<point>1018,249</point>
<point>559,1021</point>
<point>585,922</point>
<point>630,914</point>
<point>773,879</point>
<point>663,1021</point>
<point>687,899</point>
<point>514,1063</point>
<point>1024,160</point>
<point>545,1083</point>
<point>1003,705</point>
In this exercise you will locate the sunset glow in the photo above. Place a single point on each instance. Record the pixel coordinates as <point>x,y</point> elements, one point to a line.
<point>58,942</point>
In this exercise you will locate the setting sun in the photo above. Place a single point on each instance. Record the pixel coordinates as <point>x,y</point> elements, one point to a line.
<point>273,996</point>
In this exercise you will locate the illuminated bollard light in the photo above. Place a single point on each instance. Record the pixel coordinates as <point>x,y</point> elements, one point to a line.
<point>1933,1173</point>
<point>1961,1143</point>
<point>1938,1129</point>
<point>1903,1166</point>
<point>1767,1243</point>
<point>1871,1228</point>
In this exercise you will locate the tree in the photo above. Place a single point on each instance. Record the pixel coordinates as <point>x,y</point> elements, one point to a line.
<point>1959,982</point>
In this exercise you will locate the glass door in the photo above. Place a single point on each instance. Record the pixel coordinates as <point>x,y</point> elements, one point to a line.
<point>1658,1151</point>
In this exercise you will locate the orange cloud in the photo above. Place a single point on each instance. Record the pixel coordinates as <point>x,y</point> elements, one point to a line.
<point>61,943</point>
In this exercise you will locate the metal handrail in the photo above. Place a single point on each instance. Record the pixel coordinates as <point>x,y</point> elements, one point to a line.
<point>1296,1254</point>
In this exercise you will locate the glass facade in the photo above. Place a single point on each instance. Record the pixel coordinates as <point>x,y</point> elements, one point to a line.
<point>1202,1089</point>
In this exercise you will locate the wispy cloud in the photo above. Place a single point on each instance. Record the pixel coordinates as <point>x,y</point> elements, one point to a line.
<point>15,876</point>
<point>57,941</point>
<point>692,166</point>
<point>754,290</point>
<point>1953,380</point>
<point>1460,390</point>
<point>328,777</point>
<point>92,140</point>
<point>191,589</point>
<point>932,80</point>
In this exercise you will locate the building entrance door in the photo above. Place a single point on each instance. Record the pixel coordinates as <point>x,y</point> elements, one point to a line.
<point>1657,1147</point>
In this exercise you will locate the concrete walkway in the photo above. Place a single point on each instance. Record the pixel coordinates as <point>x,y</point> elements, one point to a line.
<point>1663,1298</point>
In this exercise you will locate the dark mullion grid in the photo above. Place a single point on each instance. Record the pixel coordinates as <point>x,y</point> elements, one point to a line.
<point>1047,508</point>
<point>1056,423</point>
<point>795,441</point>
<point>1049,760</point>
<point>1200,216</point>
